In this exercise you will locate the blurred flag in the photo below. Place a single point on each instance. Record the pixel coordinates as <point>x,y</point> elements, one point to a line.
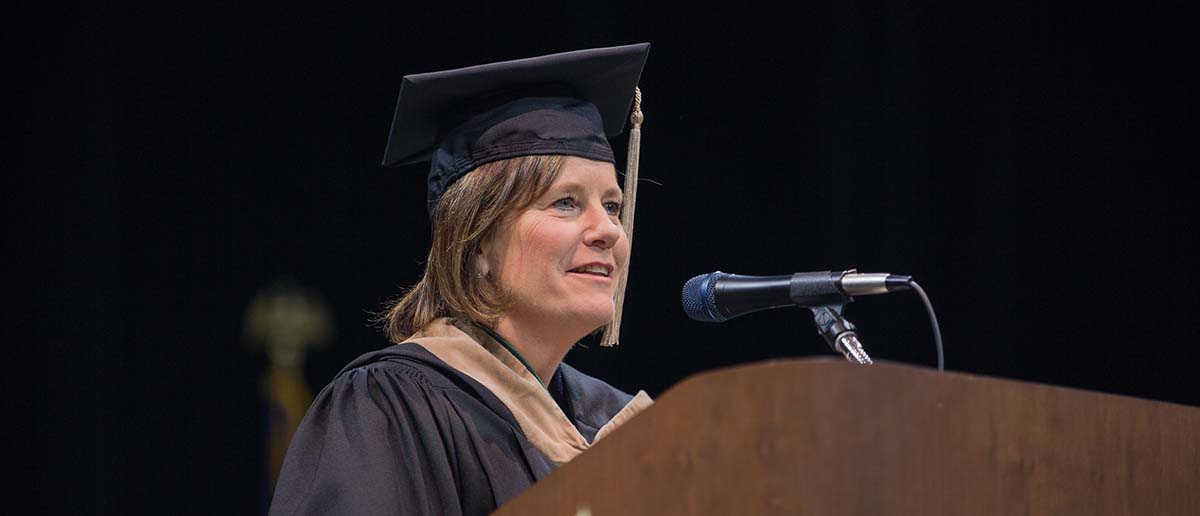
<point>285,320</point>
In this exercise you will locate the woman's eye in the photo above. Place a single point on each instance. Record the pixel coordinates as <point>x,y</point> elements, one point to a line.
<point>566,203</point>
<point>613,208</point>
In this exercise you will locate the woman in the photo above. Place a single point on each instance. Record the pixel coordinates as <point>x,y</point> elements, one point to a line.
<point>474,404</point>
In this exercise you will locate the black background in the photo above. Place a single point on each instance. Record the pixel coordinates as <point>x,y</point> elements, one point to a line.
<point>1015,159</point>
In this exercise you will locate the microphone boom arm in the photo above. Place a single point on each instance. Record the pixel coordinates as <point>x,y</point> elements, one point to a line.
<point>840,333</point>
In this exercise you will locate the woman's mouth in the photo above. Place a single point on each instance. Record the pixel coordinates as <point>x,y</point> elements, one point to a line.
<point>595,269</point>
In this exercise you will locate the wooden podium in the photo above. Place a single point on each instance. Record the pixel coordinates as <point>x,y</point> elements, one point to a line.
<point>826,437</point>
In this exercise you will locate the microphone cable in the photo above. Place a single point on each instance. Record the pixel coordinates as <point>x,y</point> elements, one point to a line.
<point>937,332</point>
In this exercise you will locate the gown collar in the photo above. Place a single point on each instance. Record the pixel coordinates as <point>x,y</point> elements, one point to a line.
<point>473,351</point>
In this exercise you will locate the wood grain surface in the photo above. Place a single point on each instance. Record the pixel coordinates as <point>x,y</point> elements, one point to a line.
<point>825,437</point>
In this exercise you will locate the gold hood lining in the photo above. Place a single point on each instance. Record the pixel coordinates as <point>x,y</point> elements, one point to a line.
<point>476,354</point>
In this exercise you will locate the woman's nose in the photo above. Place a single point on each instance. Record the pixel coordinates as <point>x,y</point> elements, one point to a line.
<point>603,229</point>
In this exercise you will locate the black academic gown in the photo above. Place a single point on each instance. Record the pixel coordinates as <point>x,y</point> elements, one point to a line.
<point>398,431</point>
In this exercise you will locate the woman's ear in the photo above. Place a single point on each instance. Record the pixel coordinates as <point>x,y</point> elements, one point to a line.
<point>479,263</point>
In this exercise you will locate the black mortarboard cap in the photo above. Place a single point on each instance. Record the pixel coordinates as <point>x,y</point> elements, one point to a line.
<point>568,103</point>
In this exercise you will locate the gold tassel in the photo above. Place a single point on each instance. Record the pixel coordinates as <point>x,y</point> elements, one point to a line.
<point>612,332</point>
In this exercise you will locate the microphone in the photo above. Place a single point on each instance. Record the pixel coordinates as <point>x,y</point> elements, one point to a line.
<point>718,296</point>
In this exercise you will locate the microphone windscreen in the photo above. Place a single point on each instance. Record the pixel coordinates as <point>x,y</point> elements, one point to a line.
<point>699,298</point>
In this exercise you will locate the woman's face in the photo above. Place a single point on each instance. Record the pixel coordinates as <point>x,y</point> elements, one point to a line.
<point>560,258</point>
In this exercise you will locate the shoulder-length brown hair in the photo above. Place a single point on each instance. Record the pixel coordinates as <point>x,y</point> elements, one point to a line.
<point>469,213</point>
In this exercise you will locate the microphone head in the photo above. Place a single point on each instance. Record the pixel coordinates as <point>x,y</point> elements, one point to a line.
<point>698,298</point>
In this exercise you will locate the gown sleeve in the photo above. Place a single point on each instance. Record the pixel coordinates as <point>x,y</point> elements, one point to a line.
<point>373,442</point>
